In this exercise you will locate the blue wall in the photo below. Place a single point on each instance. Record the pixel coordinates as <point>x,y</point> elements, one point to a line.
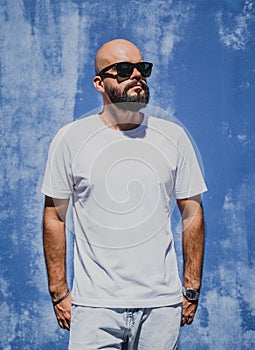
<point>203,54</point>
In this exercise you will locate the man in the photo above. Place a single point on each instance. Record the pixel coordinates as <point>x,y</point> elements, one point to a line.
<point>121,169</point>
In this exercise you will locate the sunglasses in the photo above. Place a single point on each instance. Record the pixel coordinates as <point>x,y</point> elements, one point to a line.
<point>125,69</point>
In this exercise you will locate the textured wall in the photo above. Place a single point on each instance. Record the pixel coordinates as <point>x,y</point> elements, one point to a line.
<point>203,54</point>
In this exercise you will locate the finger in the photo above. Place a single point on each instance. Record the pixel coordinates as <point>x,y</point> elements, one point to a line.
<point>64,321</point>
<point>186,320</point>
<point>183,320</point>
<point>64,324</point>
<point>60,323</point>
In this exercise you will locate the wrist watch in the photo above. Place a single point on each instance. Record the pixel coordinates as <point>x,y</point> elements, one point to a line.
<point>190,293</point>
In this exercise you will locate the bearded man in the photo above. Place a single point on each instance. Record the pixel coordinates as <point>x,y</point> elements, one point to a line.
<point>121,168</point>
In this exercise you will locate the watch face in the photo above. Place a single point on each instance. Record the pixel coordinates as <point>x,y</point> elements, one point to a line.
<point>191,294</point>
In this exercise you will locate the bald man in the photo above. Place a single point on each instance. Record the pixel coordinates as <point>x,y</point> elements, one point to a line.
<point>121,168</point>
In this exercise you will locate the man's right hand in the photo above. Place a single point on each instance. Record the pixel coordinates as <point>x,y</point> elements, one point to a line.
<point>63,312</point>
<point>54,242</point>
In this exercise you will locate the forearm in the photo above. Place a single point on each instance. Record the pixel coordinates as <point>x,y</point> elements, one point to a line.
<point>54,242</point>
<point>193,249</point>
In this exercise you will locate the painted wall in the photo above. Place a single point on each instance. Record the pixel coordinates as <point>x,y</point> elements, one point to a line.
<point>204,73</point>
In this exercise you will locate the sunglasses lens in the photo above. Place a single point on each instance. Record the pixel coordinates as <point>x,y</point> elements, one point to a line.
<point>124,69</point>
<point>144,68</point>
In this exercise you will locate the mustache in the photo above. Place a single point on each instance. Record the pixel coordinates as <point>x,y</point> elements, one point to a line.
<point>133,83</point>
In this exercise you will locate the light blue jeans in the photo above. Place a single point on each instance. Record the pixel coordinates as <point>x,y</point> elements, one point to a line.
<point>126,329</point>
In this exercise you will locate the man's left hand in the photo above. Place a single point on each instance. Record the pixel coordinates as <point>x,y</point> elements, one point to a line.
<point>188,311</point>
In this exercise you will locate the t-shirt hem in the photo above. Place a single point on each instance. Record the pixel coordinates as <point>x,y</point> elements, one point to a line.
<point>150,303</point>
<point>55,194</point>
<point>188,194</point>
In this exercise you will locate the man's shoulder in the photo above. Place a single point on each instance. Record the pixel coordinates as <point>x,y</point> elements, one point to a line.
<point>74,134</point>
<point>171,127</point>
<point>80,127</point>
<point>84,121</point>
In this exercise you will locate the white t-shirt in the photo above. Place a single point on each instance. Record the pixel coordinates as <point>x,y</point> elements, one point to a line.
<point>121,183</point>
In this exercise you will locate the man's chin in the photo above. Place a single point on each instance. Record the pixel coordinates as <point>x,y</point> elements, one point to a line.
<point>131,106</point>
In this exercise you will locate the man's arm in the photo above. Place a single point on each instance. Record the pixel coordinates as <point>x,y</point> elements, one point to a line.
<point>193,250</point>
<point>54,242</point>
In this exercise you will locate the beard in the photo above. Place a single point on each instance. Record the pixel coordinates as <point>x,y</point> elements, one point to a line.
<point>129,103</point>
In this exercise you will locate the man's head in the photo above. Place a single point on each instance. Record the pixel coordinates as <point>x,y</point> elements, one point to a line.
<point>122,83</point>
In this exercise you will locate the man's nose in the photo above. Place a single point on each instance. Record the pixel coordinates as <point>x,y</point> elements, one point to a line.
<point>135,74</point>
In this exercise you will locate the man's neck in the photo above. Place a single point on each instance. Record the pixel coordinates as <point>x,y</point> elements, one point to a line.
<point>118,119</point>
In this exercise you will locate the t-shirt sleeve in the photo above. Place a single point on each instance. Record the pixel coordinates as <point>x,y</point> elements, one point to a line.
<point>189,177</point>
<point>58,179</point>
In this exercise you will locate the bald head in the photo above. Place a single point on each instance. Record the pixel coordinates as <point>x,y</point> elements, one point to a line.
<point>118,50</point>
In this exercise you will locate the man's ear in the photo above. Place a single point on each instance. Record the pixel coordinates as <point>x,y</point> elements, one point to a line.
<point>98,83</point>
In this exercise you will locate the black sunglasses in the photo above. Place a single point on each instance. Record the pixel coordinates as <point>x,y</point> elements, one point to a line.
<point>125,69</point>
